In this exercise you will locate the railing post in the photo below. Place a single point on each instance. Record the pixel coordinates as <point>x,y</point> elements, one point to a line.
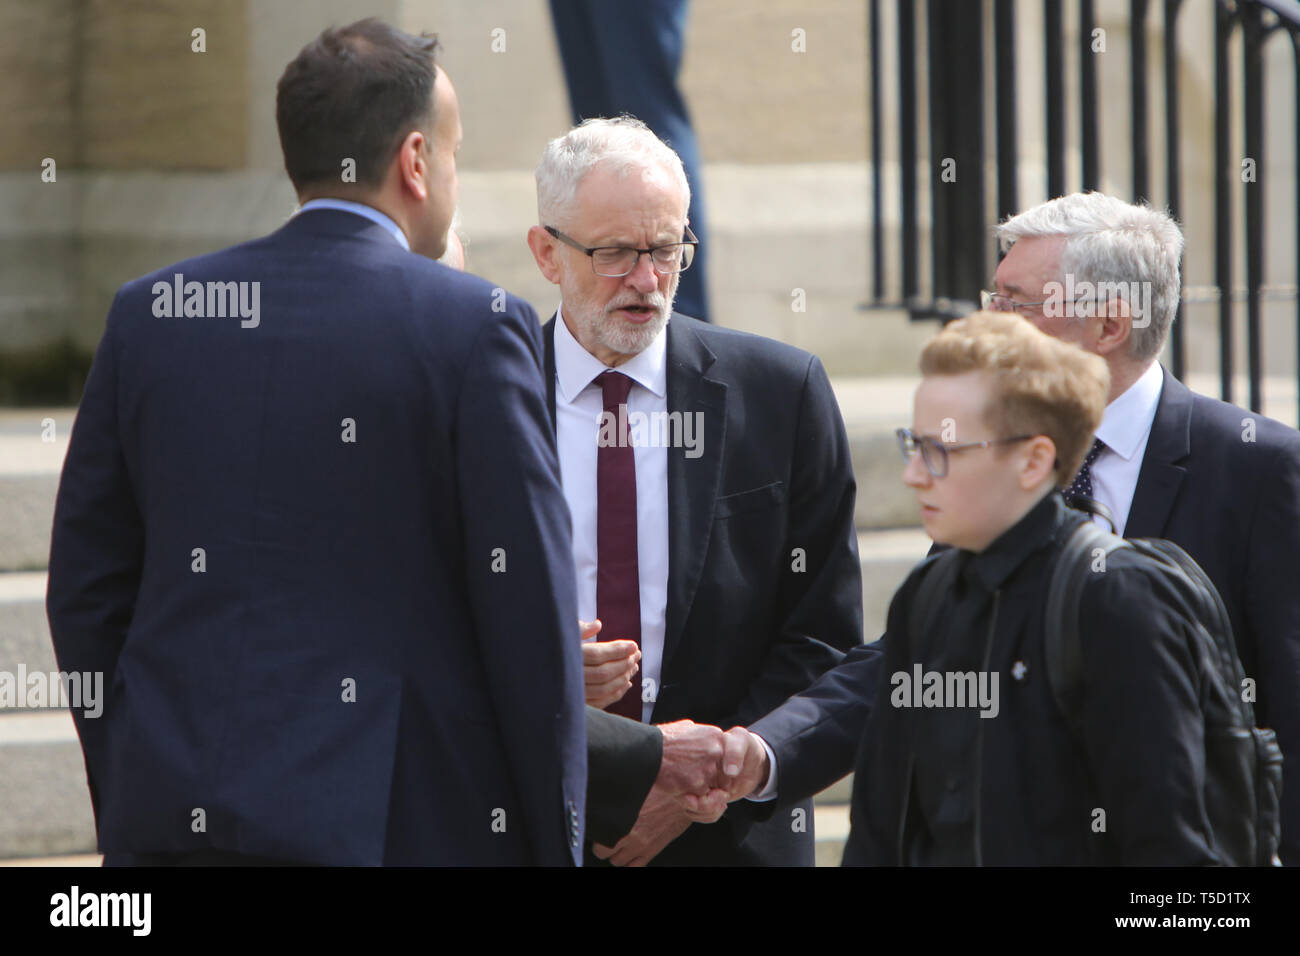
<point>1295,47</point>
<point>959,223</point>
<point>1089,142</point>
<point>1004,52</point>
<point>877,156</point>
<point>1253,34</point>
<point>1173,169</point>
<point>1138,70</point>
<point>1224,169</point>
<point>907,149</point>
<point>1054,66</point>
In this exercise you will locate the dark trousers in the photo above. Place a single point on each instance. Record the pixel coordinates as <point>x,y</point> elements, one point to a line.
<point>624,57</point>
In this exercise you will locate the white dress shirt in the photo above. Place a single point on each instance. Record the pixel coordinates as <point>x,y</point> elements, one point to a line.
<point>1125,429</point>
<point>361,209</point>
<point>578,408</point>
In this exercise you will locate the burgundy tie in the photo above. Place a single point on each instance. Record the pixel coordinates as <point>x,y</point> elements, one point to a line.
<point>618,585</point>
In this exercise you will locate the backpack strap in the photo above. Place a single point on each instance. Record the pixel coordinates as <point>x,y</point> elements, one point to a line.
<point>1062,650</point>
<point>1093,507</point>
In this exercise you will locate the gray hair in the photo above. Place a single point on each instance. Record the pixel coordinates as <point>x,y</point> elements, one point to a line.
<point>1111,241</point>
<point>625,143</point>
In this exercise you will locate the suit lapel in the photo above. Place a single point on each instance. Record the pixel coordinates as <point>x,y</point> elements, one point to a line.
<point>692,482</point>
<point>1162,472</point>
<point>548,366</point>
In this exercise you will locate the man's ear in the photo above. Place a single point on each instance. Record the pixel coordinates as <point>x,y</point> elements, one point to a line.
<point>1116,327</point>
<point>1039,462</point>
<point>413,165</point>
<point>544,249</point>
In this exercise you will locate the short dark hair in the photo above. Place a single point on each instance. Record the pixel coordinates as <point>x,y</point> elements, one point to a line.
<point>354,92</point>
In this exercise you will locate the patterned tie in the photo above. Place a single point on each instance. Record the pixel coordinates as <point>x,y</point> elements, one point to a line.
<point>1081,487</point>
<point>618,583</point>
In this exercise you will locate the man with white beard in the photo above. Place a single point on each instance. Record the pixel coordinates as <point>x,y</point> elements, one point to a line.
<point>707,473</point>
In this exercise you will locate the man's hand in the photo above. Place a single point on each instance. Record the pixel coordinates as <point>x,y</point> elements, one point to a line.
<point>745,765</point>
<point>608,667</point>
<point>701,771</point>
<point>660,821</point>
<point>691,769</point>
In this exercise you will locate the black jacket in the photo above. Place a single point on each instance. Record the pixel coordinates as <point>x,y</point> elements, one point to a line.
<point>1131,791</point>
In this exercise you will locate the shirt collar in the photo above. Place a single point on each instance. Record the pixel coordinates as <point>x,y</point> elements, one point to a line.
<point>369,212</point>
<point>996,563</point>
<point>1126,423</point>
<point>576,368</point>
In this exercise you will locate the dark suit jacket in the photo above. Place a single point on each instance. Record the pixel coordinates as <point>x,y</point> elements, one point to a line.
<point>623,758</point>
<point>1231,499</point>
<point>424,569</point>
<point>1232,503</point>
<point>750,619</point>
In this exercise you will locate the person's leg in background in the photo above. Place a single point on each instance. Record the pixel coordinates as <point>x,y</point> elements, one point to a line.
<point>624,57</point>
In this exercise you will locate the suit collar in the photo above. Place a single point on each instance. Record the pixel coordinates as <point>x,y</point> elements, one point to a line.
<point>337,223</point>
<point>362,210</point>
<point>1163,465</point>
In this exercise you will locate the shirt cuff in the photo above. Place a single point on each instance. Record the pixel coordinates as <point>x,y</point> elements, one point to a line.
<point>766,792</point>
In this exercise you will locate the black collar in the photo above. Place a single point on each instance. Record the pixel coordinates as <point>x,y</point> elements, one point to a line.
<point>1035,531</point>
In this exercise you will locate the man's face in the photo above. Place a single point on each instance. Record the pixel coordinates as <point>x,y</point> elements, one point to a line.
<point>1024,274</point>
<point>616,318</point>
<point>444,141</point>
<point>980,497</point>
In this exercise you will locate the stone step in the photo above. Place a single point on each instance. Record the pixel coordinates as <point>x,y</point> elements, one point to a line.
<point>24,629</point>
<point>831,831</point>
<point>29,465</point>
<point>44,803</point>
<point>46,810</point>
<point>32,445</point>
<point>872,406</point>
<point>75,859</point>
<point>886,556</point>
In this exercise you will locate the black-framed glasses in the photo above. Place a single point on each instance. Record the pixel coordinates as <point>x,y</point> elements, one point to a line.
<point>934,453</point>
<point>618,261</point>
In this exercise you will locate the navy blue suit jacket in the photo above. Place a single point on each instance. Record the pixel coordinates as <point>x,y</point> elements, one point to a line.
<point>374,658</point>
<point>1221,482</point>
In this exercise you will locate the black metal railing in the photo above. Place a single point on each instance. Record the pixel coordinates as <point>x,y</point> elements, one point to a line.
<point>960,233</point>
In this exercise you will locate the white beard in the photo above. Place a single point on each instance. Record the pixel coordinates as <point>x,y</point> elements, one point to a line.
<point>599,328</point>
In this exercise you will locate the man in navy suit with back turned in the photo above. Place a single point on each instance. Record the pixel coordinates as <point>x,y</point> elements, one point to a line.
<point>315,539</point>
